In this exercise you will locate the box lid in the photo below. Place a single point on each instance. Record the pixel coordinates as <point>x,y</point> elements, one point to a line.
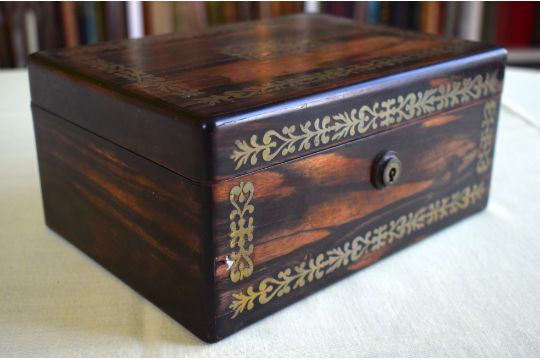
<point>203,104</point>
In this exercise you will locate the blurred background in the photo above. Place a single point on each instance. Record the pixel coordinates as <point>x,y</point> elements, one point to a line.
<point>26,27</point>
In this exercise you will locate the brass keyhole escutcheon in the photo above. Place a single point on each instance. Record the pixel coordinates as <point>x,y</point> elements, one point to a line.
<point>386,169</point>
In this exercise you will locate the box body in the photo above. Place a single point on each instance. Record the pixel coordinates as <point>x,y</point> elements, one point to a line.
<point>222,197</point>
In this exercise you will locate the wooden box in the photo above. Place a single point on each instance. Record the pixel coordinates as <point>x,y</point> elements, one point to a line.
<point>228,173</point>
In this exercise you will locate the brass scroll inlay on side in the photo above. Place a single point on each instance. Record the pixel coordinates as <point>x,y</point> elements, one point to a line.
<point>381,114</point>
<point>487,137</point>
<point>241,231</point>
<point>315,268</point>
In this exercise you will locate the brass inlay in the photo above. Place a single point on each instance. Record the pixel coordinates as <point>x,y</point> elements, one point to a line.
<point>162,88</point>
<point>487,137</point>
<point>381,114</point>
<point>308,79</point>
<point>149,83</point>
<point>241,233</point>
<point>270,49</point>
<point>317,267</point>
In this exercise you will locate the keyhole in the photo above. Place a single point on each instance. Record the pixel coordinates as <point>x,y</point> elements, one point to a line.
<point>391,174</point>
<point>386,169</point>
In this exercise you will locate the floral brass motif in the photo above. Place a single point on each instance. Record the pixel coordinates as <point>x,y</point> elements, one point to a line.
<point>270,49</point>
<point>293,82</point>
<point>241,230</point>
<point>162,88</point>
<point>487,137</point>
<point>325,263</point>
<point>147,82</point>
<point>332,128</point>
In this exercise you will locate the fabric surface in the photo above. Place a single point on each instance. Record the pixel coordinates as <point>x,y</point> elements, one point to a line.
<point>471,290</point>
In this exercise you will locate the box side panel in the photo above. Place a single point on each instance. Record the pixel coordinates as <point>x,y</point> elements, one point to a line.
<point>288,230</point>
<point>298,128</point>
<point>137,219</point>
<point>157,133</point>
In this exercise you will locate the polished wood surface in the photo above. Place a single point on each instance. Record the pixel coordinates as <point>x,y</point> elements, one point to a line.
<point>167,96</point>
<point>199,74</point>
<point>290,133</point>
<point>142,222</point>
<point>169,238</point>
<point>311,205</point>
<point>228,173</point>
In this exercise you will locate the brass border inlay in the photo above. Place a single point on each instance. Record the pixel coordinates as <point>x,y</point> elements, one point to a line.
<point>317,267</point>
<point>241,230</point>
<point>313,78</point>
<point>152,84</point>
<point>381,114</point>
<point>162,88</point>
<point>487,137</point>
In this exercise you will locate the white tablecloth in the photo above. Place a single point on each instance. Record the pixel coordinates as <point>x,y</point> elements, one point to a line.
<point>470,290</point>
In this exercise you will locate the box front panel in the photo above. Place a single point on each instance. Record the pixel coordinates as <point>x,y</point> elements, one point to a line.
<point>283,232</point>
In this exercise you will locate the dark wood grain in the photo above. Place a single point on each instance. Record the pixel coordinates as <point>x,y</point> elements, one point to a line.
<point>157,134</point>
<point>388,98</point>
<point>200,93</point>
<point>139,220</point>
<point>227,173</point>
<point>311,205</point>
<point>245,56</point>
